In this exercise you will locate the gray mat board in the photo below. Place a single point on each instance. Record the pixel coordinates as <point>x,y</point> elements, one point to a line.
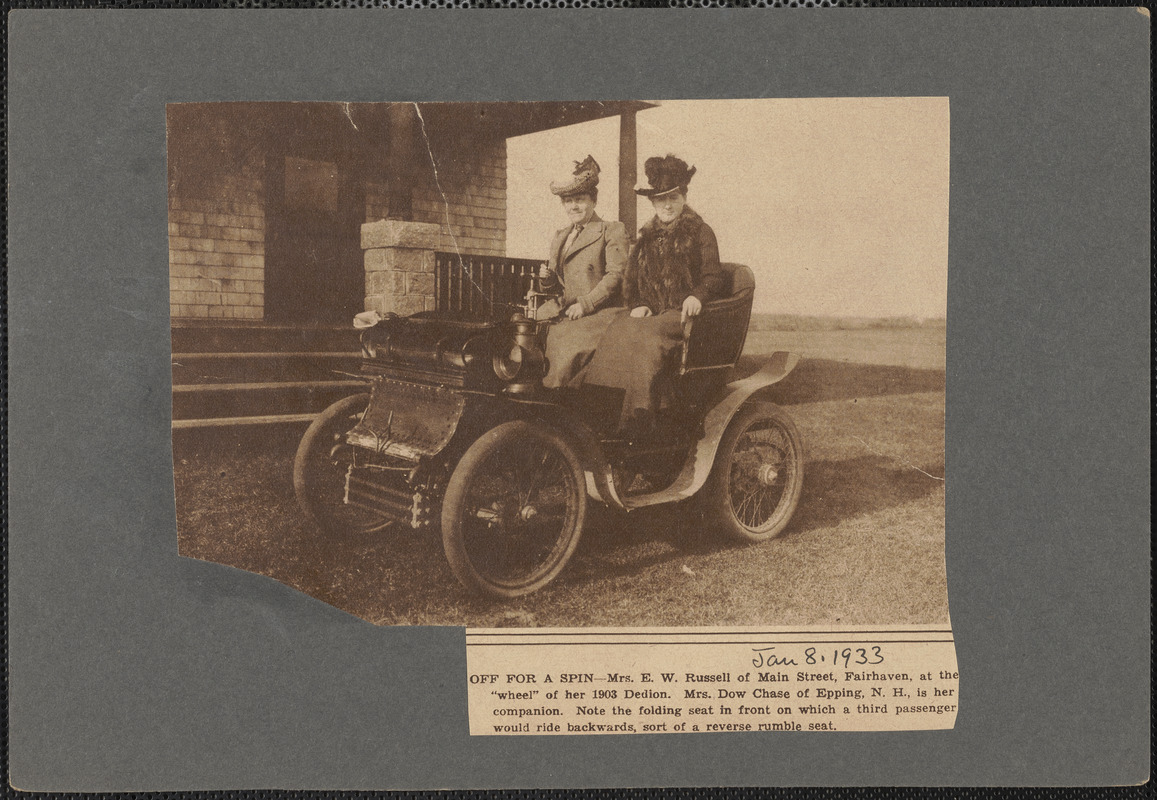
<point>133,669</point>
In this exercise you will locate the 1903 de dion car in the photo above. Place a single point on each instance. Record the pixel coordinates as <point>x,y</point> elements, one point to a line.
<point>457,432</point>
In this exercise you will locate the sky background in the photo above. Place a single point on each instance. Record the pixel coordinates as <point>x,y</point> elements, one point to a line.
<point>840,205</point>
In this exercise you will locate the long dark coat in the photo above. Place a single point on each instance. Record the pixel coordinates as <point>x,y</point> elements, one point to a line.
<point>635,357</point>
<point>671,261</point>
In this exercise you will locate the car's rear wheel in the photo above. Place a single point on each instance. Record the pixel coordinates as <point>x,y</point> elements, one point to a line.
<point>757,478</point>
<point>513,510</point>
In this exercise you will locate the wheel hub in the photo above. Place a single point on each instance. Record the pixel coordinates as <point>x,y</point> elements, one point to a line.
<point>505,515</point>
<point>768,474</point>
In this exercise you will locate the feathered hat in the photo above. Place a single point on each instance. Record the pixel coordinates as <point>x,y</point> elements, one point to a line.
<point>665,174</point>
<point>586,177</point>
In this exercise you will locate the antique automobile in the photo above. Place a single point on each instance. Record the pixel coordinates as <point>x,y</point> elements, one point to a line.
<point>457,432</point>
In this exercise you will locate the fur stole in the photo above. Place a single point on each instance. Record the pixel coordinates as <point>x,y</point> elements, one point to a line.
<point>665,263</point>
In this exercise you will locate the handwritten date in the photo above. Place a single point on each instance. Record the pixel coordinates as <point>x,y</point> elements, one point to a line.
<point>848,656</point>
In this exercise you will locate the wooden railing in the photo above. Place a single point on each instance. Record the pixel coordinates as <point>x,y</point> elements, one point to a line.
<point>484,287</point>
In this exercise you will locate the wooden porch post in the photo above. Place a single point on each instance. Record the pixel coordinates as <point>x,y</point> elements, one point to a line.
<point>628,172</point>
<point>403,133</point>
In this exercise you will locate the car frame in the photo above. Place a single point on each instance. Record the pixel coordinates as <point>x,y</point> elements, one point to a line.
<point>457,433</point>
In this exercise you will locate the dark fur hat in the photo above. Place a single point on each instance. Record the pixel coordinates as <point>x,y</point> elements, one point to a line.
<point>666,174</point>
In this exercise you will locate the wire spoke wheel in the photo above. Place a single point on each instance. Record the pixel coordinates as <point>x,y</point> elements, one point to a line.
<point>321,467</point>
<point>757,478</point>
<point>513,510</point>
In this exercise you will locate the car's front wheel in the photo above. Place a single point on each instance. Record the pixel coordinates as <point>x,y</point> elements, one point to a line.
<point>513,509</point>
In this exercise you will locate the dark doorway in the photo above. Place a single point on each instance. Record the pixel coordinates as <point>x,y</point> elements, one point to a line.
<point>314,272</point>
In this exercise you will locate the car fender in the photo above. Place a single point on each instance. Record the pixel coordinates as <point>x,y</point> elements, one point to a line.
<point>585,441</point>
<point>698,465</point>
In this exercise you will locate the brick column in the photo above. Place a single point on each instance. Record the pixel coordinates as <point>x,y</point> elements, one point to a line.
<point>399,262</point>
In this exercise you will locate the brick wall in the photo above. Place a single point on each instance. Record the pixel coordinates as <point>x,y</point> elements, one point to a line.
<point>217,243</point>
<point>217,221</point>
<point>473,190</point>
<point>377,201</point>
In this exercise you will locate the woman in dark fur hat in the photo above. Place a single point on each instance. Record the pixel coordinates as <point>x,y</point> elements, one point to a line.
<point>672,271</point>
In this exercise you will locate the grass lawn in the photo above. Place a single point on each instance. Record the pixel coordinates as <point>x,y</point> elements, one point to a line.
<point>866,545</point>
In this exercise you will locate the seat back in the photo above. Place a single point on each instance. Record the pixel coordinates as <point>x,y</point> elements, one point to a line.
<point>715,338</point>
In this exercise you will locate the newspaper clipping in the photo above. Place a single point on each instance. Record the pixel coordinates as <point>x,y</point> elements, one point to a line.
<point>683,681</point>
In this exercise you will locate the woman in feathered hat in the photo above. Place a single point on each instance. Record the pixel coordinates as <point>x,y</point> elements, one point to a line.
<point>672,271</point>
<point>585,269</point>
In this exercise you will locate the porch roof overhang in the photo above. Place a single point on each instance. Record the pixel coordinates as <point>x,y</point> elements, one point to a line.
<point>325,125</point>
<point>508,119</point>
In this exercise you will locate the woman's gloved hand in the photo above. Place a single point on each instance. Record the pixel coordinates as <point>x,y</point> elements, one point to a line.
<point>691,307</point>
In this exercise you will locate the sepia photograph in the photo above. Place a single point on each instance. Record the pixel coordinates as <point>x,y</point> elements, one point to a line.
<point>566,364</point>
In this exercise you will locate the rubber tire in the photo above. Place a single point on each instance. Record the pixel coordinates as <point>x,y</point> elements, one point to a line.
<point>315,445</point>
<point>716,494</point>
<point>455,500</point>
